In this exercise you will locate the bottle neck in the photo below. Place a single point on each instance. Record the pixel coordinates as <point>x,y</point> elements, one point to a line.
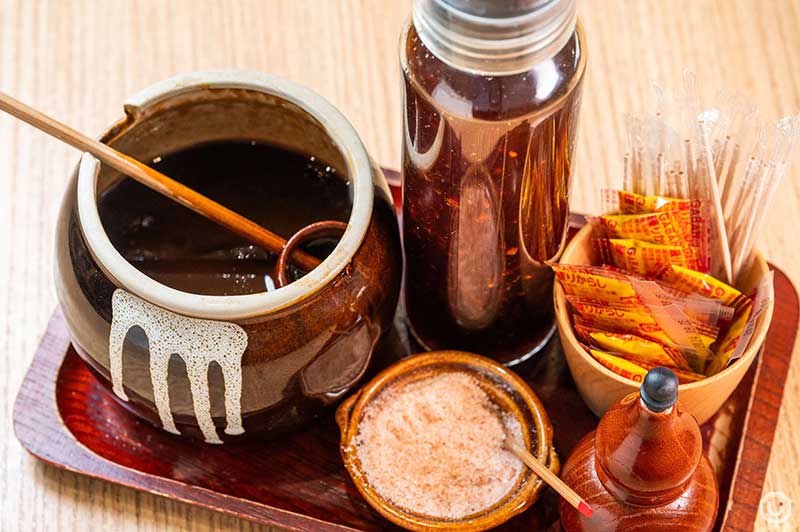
<point>494,41</point>
<point>646,458</point>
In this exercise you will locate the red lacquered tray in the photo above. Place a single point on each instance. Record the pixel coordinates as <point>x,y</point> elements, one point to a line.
<point>66,418</point>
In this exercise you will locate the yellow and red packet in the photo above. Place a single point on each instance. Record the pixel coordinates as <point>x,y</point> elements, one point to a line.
<point>677,228</point>
<point>640,257</point>
<point>690,281</point>
<point>637,371</point>
<point>620,366</point>
<point>641,320</point>
<point>623,202</point>
<point>738,336</point>
<point>728,343</point>
<point>606,287</point>
<point>634,348</point>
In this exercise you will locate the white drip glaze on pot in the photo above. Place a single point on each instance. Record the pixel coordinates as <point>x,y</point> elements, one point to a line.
<point>198,342</point>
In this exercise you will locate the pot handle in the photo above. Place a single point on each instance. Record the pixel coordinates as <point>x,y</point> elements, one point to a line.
<point>328,228</point>
<point>345,412</point>
<point>553,463</point>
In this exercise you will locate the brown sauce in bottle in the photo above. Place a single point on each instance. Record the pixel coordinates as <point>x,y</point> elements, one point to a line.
<point>486,169</point>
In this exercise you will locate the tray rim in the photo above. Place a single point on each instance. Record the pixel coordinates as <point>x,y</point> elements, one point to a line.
<point>34,403</point>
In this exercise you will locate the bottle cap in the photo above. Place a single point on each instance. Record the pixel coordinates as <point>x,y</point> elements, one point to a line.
<point>659,391</point>
<point>491,37</point>
<point>494,9</point>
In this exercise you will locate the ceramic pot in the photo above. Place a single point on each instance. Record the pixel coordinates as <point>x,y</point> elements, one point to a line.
<point>215,367</point>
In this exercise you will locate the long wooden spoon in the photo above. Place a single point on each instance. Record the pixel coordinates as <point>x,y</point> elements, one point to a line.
<point>156,181</point>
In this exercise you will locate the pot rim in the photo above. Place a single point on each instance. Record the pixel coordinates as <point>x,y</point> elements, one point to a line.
<point>357,163</point>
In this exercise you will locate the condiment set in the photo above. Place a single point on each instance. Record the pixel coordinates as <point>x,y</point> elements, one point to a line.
<point>260,308</point>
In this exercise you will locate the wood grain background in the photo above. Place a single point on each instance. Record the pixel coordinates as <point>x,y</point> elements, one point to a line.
<point>79,59</point>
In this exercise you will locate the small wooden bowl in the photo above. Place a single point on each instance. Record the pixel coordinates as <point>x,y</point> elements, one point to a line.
<point>505,389</point>
<point>600,387</point>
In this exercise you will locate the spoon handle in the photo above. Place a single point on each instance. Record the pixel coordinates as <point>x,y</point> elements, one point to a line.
<point>155,180</point>
<point>550,478</point>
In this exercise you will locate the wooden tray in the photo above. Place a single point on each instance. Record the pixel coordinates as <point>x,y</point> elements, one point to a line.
<point>65,417</point>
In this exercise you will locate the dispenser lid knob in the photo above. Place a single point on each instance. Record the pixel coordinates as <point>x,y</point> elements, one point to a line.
<point>659,390</point>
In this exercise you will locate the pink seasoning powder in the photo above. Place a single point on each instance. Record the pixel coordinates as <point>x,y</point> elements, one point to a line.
<point>435,447</point>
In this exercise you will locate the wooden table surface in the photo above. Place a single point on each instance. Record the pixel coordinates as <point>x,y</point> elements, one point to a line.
<point>79,59</point>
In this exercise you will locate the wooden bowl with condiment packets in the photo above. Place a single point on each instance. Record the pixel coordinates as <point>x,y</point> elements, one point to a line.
<point>600,387</point>
<point>506,391</point>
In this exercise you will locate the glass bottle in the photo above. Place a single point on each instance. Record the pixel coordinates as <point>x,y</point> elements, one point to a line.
<point>491,92</point>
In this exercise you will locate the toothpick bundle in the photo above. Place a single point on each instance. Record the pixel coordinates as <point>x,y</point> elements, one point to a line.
<point>721,155</point>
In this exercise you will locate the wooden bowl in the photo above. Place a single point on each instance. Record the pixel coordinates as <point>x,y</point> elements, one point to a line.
<point>505,389</point>
<point>600,387</point>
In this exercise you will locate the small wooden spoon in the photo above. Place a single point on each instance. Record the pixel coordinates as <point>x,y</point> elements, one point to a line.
<point>157,181</point>
<point>548,476</point>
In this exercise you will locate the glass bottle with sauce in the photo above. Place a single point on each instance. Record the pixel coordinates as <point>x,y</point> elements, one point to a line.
<point>492,91</point>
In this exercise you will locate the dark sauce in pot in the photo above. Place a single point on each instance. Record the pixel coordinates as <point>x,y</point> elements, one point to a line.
<point>279,189</point>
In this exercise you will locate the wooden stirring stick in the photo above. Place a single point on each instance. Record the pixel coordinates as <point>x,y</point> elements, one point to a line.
<point>549,477</point>
<point>156,181</point>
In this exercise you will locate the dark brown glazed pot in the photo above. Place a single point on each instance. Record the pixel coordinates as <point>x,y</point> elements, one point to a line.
<point>272,360</point>
<point>644,467</point>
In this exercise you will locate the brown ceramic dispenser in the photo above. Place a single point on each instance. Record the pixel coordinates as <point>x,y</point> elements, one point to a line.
<point>644,467</point>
